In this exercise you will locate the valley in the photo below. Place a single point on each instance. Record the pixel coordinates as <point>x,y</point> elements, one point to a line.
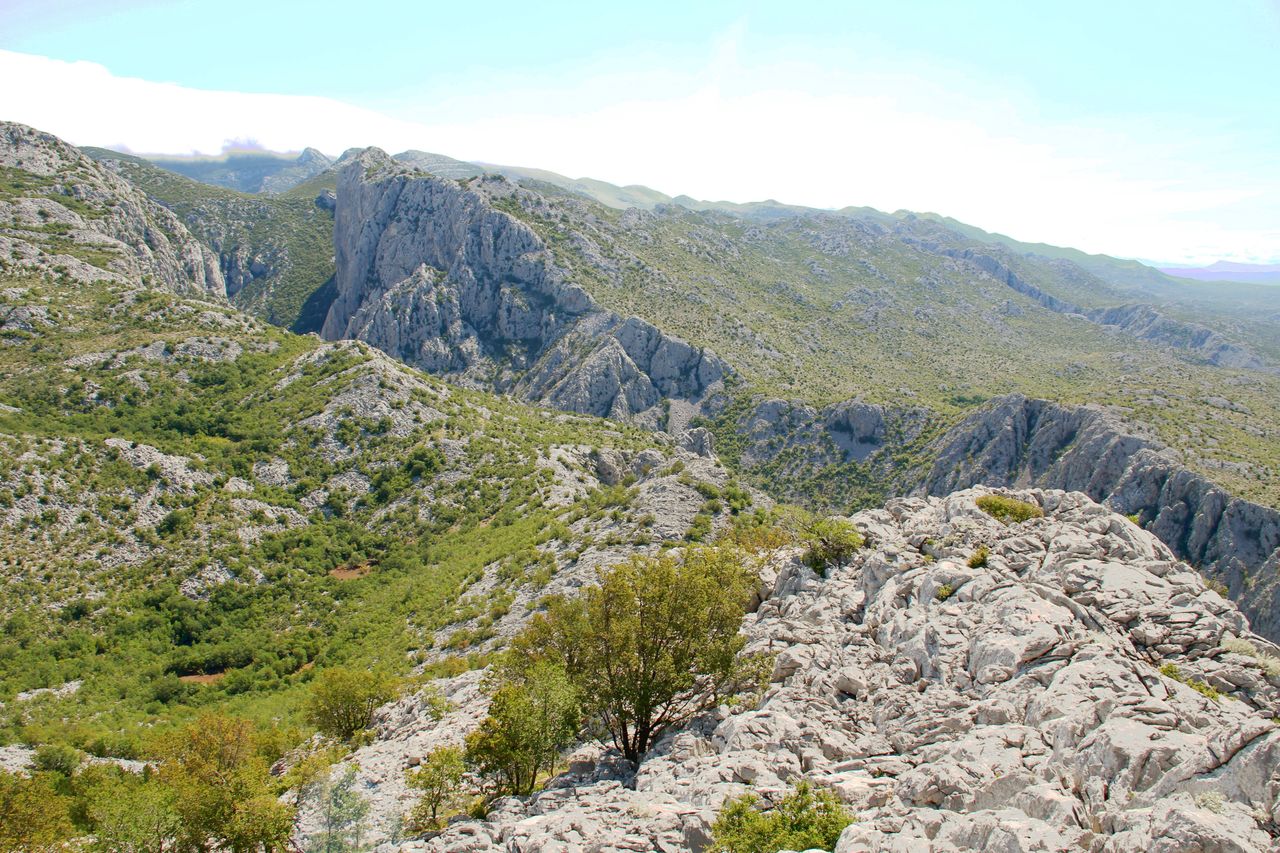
<point>310,417</point>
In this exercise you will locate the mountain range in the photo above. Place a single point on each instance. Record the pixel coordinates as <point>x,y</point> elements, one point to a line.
<point>1229,271</point>
<point>268,415</point>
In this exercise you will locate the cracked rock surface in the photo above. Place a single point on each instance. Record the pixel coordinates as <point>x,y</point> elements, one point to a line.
<point>1072,693</point>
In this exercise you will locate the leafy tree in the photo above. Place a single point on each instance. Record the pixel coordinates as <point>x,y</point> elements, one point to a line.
<point>805,819</point>
<point>220,783</point>
<point>342,813</point>
<point>531,719</point>
<point>343,700</point>
<point>439,777</point>
<point>653,644</point>
<point>34,816</point>
<point>130,814</point>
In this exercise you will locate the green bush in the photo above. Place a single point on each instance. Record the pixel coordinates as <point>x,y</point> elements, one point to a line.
<point>979,557</point>
<point>829,541</point>
<point>944,592</point>
<point>1008,510</point>
<point>343,700</point>
<point>57,758</point>
<point>1170,670</point>
<point>805,819</point>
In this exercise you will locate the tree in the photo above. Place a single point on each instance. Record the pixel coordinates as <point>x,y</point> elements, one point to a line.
<point>220,782</point>
<point>439,777</point>
<point>131,814</point>
<point>827,541</point>
<point>343,700</point>
<point>342,812</point>
<point>33,815</point>
<point>806,819</point>
<point>653,644</point>
<point>532,717</point>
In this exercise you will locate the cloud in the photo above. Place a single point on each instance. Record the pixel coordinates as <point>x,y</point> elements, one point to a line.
<point>733,131</point>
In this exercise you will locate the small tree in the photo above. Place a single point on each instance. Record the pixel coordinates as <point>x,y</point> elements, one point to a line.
<point>827,541</point>
<point>33,815</point>
<point>343,700</point>
<point>57,758</point>
<point>220,782</point>
<point>342,812</point>
<point>531,719</point>
<point>132,815</point>
<point>806,819</point>
<point>439,777</point>
<point>653,644</point>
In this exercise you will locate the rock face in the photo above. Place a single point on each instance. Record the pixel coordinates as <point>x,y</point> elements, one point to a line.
<point>71,217</point>
<point>1081,690</point>
<point>436,274</point>
<point>1018,441</point>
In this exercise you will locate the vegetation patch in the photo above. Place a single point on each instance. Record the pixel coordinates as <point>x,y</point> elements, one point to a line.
<point>1009,510</point>
<point>809,818</point>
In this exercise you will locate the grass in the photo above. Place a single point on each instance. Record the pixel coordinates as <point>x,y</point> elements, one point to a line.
<point>1269,664</point>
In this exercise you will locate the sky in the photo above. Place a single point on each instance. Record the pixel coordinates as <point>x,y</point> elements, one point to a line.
<point>1138,129</point>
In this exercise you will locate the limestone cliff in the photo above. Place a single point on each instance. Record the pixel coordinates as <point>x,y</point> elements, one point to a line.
<point>436,273</point>
<point>1016,441</point>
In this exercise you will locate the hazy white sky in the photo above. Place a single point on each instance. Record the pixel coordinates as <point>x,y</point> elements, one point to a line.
<point>745,113</point>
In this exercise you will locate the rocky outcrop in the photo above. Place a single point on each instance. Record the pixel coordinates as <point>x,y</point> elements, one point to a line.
<point>1081,690</point>
<point>69,216</point>
<point>1017,441</point>
<point>436,274</point>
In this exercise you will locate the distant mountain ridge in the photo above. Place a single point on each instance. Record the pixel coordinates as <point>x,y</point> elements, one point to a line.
<point>1229,271</point>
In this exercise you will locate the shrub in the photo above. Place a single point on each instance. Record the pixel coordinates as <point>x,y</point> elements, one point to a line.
<point>806,819</point>
<point>827,541</point>
<point>1008,510</point>
<point>439,778</point>
<point>944,592</point>
<point>343,700</point>
<point>1170,670</point>
<point>979,557</point>
<point>57,758</point>
<point>532,717</point>
<point>655,643</point>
